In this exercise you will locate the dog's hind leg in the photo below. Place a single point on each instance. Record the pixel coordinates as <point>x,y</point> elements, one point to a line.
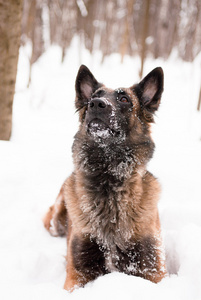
<point>55,220</point>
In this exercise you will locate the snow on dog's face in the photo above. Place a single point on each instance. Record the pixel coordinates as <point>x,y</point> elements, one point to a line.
<point>119,113</point>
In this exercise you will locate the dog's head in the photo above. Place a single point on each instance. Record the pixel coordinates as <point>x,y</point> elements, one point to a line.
<point>108,114</point>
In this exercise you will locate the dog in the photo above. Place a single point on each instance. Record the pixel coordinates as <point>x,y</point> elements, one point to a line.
<point>107,208</point>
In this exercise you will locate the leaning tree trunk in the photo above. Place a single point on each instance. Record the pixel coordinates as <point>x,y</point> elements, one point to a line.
<point>10,33</point>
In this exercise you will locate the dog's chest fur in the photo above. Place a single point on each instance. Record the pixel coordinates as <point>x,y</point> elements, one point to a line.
<point>111,189</point>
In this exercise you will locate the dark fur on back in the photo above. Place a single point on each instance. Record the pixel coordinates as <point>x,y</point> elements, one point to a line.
<point>108,206</point>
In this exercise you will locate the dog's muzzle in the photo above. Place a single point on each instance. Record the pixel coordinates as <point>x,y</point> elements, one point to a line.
<point>99,116</point>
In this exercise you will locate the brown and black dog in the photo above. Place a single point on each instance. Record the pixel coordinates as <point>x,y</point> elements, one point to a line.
<point>108,206</point>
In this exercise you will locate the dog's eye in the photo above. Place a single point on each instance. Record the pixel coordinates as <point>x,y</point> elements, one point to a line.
<point>124,99</point>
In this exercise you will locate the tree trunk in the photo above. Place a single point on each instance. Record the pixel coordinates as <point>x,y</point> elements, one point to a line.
<point>10,33</point>
<point>144,36</point>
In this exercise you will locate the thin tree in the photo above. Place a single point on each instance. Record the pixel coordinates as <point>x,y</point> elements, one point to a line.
<point>10,33</point>
<point>144,36</point>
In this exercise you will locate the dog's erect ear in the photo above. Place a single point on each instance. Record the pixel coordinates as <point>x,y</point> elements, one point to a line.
<point>85,85</point>
<point>149,90</point>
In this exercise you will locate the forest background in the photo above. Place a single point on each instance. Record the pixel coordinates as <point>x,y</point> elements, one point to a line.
<point>141,28</point>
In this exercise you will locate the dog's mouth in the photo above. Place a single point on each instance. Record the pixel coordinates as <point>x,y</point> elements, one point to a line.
<point>97,124</point>
<point>97,127</point>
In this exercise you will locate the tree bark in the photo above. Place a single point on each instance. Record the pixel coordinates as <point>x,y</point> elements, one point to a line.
<point>144,36</point>
<point>10,33</point>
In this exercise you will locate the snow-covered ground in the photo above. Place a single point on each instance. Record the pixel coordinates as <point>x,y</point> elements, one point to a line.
<point>36,161</point>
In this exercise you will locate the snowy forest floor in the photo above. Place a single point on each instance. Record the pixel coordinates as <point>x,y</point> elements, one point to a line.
<point>36,161</point>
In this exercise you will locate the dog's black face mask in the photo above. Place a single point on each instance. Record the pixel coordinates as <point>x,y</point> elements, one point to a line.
<point>107,113</point>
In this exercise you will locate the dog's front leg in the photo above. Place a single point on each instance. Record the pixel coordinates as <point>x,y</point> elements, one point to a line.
<point>55,220</point>
<point>74,278</point>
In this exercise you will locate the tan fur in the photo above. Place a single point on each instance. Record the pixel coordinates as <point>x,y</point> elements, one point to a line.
<point>146,194</point>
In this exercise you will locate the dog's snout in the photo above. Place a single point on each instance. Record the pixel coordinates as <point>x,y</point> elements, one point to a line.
<point>97,104</point>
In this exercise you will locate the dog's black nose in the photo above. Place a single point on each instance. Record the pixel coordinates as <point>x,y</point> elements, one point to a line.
<point>97,103</point>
